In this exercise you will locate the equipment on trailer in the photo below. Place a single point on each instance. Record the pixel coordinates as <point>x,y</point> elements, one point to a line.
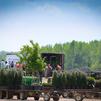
<point>54,59</point>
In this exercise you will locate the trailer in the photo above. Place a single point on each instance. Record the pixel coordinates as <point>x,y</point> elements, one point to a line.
<point>48,92</point>
<point>38,90</point>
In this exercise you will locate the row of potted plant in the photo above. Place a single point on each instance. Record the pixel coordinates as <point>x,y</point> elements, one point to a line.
<point>64,80</point>
<point>11,78</point>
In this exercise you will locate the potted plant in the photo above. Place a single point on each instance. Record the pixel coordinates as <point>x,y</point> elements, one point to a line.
<point>14,78</point>
<point>3,78</point>
<point>98,84</point>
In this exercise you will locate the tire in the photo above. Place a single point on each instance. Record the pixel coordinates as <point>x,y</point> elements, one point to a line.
<point>78,97</point>
<point>23,96</point>
<point>70,94</point>
<point>56,97</point>
<point>46,97</point>
<point>36,97</point>
<point>65,94</point>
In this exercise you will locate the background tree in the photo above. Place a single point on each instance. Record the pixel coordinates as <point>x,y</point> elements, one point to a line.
<point>77,54</point>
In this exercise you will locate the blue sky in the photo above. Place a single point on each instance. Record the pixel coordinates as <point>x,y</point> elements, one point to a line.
<point>48,22</point>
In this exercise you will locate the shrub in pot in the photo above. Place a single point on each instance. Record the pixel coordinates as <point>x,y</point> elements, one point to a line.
<point>98,84</point>
<point>3,77</point>
<point>54,79</point>
<point>57,80</point>
<point>72,80</point>
<point>14,78</point>
<point>68,78</point>
<point>80,79</point>
<point>10,78</point>
<point>63,80</point>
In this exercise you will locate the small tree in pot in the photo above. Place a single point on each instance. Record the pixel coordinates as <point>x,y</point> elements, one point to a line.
<point>30,56</point>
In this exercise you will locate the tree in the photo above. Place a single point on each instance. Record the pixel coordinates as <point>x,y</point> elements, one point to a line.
<point>30,56</point>
<point>78,54</point>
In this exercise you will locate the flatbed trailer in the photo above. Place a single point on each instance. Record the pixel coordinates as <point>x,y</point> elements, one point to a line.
<point>49,92</point>
<point>77,94</point>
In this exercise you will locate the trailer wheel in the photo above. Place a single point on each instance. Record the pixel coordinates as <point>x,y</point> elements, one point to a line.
<point>65,94</point>
<point>70,94</point>
<point>78,97</point>
<point>46,97</point>
<point>55,97</point>
<point>23,96</point>
<point>36,96</point>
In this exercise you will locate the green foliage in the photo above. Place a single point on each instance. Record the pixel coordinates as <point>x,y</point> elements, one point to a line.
<point>98,83</point>
<point>30,80</point>
<point>10,77</point>
<point>27,80</point>
<point>65,80</point>
<point>30,56</point>
<point>14,77</point>
<point>46,84</point>
<point>2,55</point>
<point>56,80</point>
<point>3,77</point>
<point>78,54</point>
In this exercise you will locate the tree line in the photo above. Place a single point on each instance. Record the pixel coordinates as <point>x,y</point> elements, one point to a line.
<point>78,54</point>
